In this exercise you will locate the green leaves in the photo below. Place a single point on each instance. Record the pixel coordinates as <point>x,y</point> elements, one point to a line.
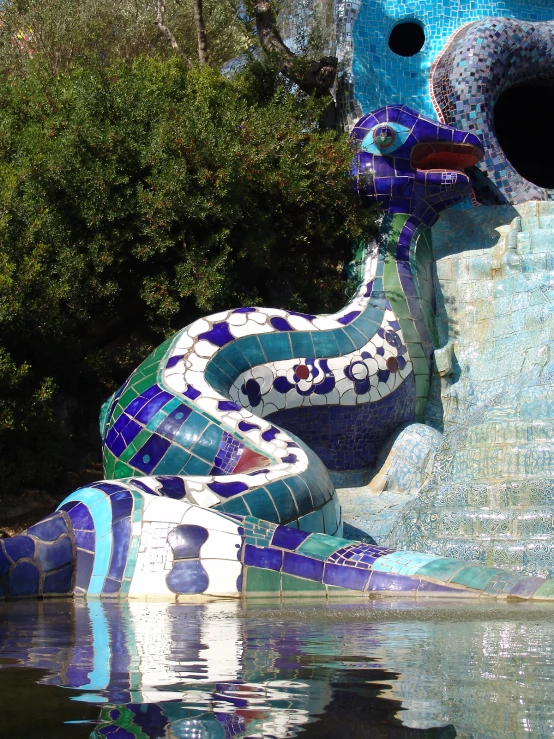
<point>139,196</point>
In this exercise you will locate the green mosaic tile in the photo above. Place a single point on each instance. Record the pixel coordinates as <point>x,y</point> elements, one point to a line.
<point>297,586</point>
<point>325,344</point>
<point>312,522</point>
<point>283,501</point>
<point>545,591</point>
<point>367,327</point>
<point>256,532</point>
<point>319,546</point>
<point>276,346</point>
<point>233,355</point>
<point>109,462</point>
<point>122,470</point>
<point>344,342</point>
<point>251,348</point>
<point>207,445</point>
<point>420,366</point>
<point>474,576</point>
<point>236,506</point>
<point>357,337</point>
<point>302,345</point>
<point>144,384</point>
<point>415,350</point>
<point>262,581</point>
<point>501,585</point>
<point>196,466</point>
<point>441,569</point>
<point>261,505</point>
<point>219,364</point>
<point>408,329</point>
<point>173,462</point>
<point>137,443</point>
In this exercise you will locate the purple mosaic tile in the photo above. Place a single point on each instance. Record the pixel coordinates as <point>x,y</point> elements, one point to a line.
<point>345,577</point>
<point>148,411</point>
<point>433,587</point>
<point>288,538</point>
<point>85,563</point>
<point>121,532</point>
<point>384,581</point>
<point>296,564</point>
<point>150,454</point>
<point>192,393</point>
<point>343,435</point>
<point>228,489</point>
<point>266,558</point>
<point>172,487</point>
<point>171,425</point>
<point>122,505</point>
<point>219,334</point>
<point>481,60</point>
<point>85,539</point>
<point>527,586</point>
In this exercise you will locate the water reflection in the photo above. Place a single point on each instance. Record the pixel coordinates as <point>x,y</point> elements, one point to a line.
<point>222,670</point>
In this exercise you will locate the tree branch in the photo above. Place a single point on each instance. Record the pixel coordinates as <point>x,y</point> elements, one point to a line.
<point>310,75</point>
<point>160,22</point>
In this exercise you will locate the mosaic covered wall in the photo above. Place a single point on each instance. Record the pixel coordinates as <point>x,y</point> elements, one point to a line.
<point>489,498</point>
<point>383,77</point>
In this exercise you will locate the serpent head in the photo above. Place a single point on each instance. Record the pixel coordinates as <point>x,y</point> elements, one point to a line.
<point>412,164</point>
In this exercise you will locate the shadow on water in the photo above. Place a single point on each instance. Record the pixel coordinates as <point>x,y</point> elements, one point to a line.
<point>222,670</point>
<point>33,710</point>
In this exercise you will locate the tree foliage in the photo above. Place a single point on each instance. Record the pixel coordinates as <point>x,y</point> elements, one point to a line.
<point>135,197</point>
<point>68,33</point>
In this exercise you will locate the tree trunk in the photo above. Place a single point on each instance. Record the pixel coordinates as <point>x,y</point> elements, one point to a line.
<point>201,32</point>
<point>312,76</point>
<point>160,22</point>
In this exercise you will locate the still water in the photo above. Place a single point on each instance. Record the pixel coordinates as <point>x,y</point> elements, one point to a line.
<point>224,669</point>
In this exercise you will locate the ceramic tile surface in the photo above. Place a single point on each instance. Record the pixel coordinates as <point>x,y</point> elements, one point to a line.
<point>220,450</point>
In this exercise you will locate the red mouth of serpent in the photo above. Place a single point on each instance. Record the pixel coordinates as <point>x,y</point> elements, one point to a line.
<point>439,155</point>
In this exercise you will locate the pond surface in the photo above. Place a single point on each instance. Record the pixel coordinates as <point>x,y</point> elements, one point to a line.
<point>381,669</point>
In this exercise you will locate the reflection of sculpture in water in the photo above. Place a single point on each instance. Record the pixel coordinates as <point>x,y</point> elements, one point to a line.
<point>165,670</point>
<point>223,670</point>
<point>208,496</point>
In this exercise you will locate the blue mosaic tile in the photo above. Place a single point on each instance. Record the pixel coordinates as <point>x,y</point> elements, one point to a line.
<point>50,528</point>
<point>24,579</point>
<point>187,577</point>
<point>271,559</point>
<point>59,582</point>
<point>295,564</point>
<point>186,540</point>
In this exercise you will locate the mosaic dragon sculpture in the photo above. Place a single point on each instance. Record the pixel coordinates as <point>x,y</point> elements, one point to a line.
<point>206,493</point>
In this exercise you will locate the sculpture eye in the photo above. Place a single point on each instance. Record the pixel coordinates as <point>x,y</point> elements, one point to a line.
<point>385,138</point>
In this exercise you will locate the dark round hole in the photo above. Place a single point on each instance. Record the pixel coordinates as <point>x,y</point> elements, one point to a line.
<point>407,38</point>
<point>524,121</point>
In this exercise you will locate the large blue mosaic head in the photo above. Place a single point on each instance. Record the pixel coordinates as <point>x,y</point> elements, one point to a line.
<point>485,67</point>
<point>409,163</point>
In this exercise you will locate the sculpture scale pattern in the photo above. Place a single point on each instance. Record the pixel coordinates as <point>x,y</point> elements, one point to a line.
<point>207,498</point>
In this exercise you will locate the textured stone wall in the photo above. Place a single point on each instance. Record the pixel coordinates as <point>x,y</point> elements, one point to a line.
<point>490,496</point>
